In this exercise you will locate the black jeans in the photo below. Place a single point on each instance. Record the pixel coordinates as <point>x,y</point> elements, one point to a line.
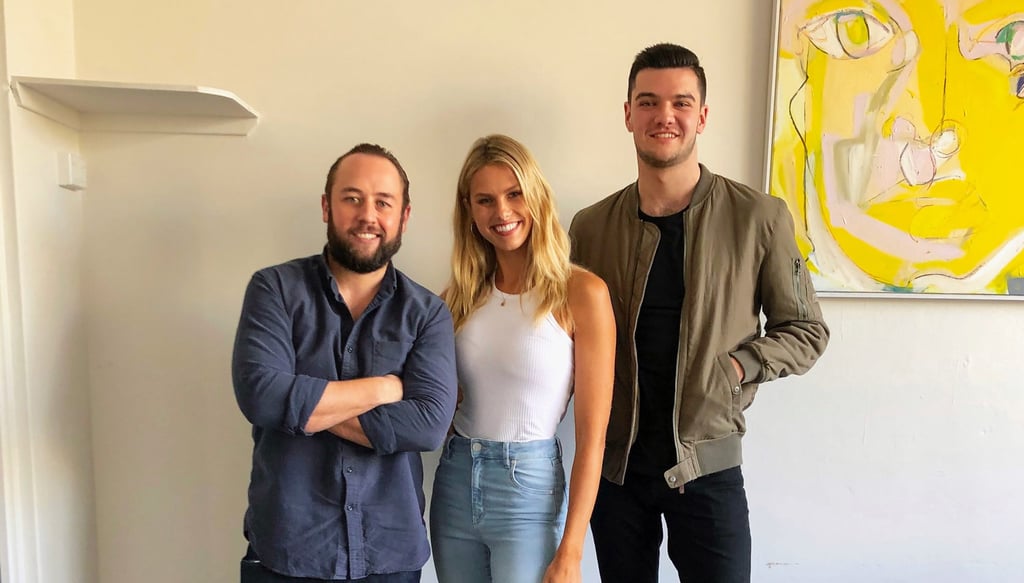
<point>253,571</point>
<point>708,529</point>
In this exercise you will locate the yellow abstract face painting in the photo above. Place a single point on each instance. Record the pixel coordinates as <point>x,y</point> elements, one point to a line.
<point>897,142</point>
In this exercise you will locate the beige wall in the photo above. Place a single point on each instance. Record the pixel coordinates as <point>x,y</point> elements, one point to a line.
<point>893,460</point>
<point>177,224</point>
<point>53,430</point>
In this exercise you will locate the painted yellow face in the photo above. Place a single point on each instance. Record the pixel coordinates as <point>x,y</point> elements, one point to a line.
<point>898,128</point>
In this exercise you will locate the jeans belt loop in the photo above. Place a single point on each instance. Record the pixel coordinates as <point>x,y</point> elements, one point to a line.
<point>449,446</point>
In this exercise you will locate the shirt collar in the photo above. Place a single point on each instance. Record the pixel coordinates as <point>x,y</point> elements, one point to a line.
<point>387,286</point>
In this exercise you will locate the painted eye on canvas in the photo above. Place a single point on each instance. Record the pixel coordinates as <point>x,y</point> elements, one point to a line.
<point>848,34</point>
<point>1011,37</point>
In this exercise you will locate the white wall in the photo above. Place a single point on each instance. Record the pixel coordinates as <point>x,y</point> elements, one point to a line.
<point>17,516</point>
<point>52,434</point>
<point>897,459</point>
<point>892,461</point>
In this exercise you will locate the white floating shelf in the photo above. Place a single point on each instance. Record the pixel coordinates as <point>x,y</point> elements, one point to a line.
<point>102,106</point>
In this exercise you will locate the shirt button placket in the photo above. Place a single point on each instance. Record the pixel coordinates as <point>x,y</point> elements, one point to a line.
<point>348,361</point>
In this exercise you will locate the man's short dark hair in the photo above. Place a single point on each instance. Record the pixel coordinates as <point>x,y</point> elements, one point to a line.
<point>667,56</point>
<point>372,150</point>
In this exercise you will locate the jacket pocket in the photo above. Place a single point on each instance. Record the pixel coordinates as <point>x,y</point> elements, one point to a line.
<point>731,392</point>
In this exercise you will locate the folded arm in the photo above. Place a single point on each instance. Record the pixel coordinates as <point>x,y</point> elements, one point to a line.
<point>269,392</point>
<point>420,421</point>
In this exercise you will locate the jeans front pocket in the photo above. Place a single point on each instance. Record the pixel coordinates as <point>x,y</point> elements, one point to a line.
<point>540,476</point>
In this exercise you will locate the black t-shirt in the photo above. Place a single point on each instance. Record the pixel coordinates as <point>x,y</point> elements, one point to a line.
<point>657,350</point>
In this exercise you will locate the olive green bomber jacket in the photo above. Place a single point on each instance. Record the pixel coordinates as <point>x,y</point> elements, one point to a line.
<point>739,258</point>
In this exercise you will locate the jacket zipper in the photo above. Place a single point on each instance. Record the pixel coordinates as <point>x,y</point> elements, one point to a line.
<point>681,348</point>
<point>798,289</point>
<point>636,359</point>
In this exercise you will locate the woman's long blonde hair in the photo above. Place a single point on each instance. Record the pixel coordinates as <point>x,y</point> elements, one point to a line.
<point>473,258</point>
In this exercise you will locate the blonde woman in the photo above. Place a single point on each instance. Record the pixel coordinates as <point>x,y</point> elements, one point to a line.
<point>532,330</point>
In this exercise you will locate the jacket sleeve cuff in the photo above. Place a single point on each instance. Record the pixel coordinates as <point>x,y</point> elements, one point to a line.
<point>750,363</point>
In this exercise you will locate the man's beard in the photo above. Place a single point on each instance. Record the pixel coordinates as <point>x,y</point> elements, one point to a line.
<point>346,255</point>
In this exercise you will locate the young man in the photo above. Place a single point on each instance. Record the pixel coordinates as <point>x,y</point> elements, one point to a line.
<point>346,369</point>
<point>691,259</point>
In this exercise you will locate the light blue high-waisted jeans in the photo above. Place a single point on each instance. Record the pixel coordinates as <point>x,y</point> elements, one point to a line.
<point>497,510</point>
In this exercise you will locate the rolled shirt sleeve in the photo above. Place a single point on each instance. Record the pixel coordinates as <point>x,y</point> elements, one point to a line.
<point>269,392</point>
<point>421,419</point>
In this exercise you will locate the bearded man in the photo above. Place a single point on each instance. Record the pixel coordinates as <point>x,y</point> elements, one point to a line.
<point>346,369</point>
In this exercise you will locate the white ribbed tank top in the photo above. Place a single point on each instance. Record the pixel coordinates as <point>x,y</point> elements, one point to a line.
<point>516,376</point>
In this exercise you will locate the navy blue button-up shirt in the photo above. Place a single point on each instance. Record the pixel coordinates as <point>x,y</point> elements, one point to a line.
<point>321,506</point>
